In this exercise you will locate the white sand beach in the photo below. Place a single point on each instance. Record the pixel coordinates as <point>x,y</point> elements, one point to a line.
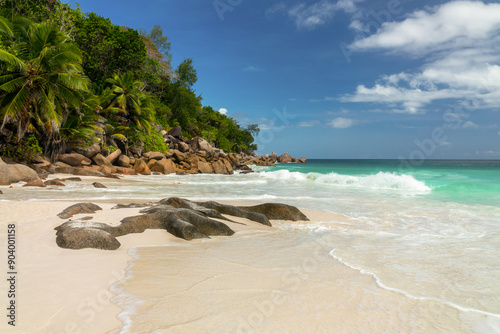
<point>290,278</point>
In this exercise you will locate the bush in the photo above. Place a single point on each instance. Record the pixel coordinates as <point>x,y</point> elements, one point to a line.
<point>107,150</point>
<point>24,151</point>
<point>154,142</point>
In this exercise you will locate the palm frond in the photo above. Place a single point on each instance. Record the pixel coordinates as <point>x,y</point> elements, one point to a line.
<point>6,27</point>
<point>11,85</point>
<point>14,103</point>
<point>12,60</point>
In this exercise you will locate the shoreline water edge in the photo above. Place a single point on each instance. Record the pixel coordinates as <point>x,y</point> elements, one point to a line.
<point>383,251</point>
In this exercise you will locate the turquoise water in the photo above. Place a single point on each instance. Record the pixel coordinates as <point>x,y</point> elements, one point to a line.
<point>464,181</point>
<point>426,236</point>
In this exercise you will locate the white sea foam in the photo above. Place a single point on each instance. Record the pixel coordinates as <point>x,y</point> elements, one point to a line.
<point>126,300</point>
<point>407,294</point>
<point>381,180</point>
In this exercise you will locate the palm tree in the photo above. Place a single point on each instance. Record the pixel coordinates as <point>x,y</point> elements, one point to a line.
<point>83,126</point>
<point>41,78</point>
<point>128,106</point>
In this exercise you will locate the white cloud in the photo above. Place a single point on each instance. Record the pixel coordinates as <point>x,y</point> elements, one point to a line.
<point>460,44</point>
<point>470,124</point>
<point>269,124</point>
<point>342,123</point>
<point>309,17</point>
<point>276,8</point>
<point>309,124</point>
<point>251,68</point>
<point>451,25</point>
<point>223,111</point>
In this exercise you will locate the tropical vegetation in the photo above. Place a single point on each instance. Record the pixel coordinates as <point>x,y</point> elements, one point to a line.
<point>70,79</point>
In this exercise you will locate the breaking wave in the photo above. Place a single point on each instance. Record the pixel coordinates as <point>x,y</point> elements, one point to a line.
<point>381,180</point>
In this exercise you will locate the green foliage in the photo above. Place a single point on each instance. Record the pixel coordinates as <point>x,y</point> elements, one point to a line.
<point>154,142</point>
<point>107,150</point>
<point>163,112</point>
<point>41,83</point>
<point>161,42</point>
<point>84,126</point>
<point>47,11</point>
<point>24,151</point>
<point>127,105</point>
<point>45,69</point>
<point>187,75</point>
<point>107,48</point>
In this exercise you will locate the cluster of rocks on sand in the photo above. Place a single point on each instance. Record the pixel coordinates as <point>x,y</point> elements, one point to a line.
<point>186,156</point>
<point>183,218</point>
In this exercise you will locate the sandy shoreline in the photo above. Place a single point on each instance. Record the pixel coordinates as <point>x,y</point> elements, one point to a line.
<point>67,291</point>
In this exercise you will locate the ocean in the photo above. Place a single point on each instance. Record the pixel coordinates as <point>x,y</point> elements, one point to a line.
<point>402,248</point>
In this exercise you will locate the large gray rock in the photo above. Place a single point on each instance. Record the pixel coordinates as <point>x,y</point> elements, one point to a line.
<point>164,166</point>
<point>234,159</point>
<point>277,211</point>
<point>123,161</point>
<point>100,160</point>
<point>74,159</point>
<point>179,156</point>
<point>285,158</point>
<point>77,209</point>
<point>141,167</point>
<point>80,171</point>
<point>35,183</point>
<point>154,155</point>
<point>176,132</point>
<point>15,173</point>
<point>180,217</point>
<point>54,182</point>
<point>228,166</point>
<point>113,156</point>
<point>80,234</point>
<point>182,223</point>
<point>183,147</point>
<point>199,144</point>
<point>136,150</point>
<point>235,211</point>
<point>205,167</point>
<point>88,152</point>
<point>181,203</point>
<point>219,167</point>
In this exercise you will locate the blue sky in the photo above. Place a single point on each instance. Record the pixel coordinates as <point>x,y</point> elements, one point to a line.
<point>396,79</point>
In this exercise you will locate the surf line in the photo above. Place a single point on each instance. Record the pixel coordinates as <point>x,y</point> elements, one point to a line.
<point>383,286</point>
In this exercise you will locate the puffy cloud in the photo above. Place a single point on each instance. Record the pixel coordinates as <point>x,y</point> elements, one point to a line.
<point>309,17</point>
<point>223,111</point>
<point>470,124</point>
<point>276,8</point>
<point>342,123</point>
<point>454,24</point>
<point>460,44</point>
